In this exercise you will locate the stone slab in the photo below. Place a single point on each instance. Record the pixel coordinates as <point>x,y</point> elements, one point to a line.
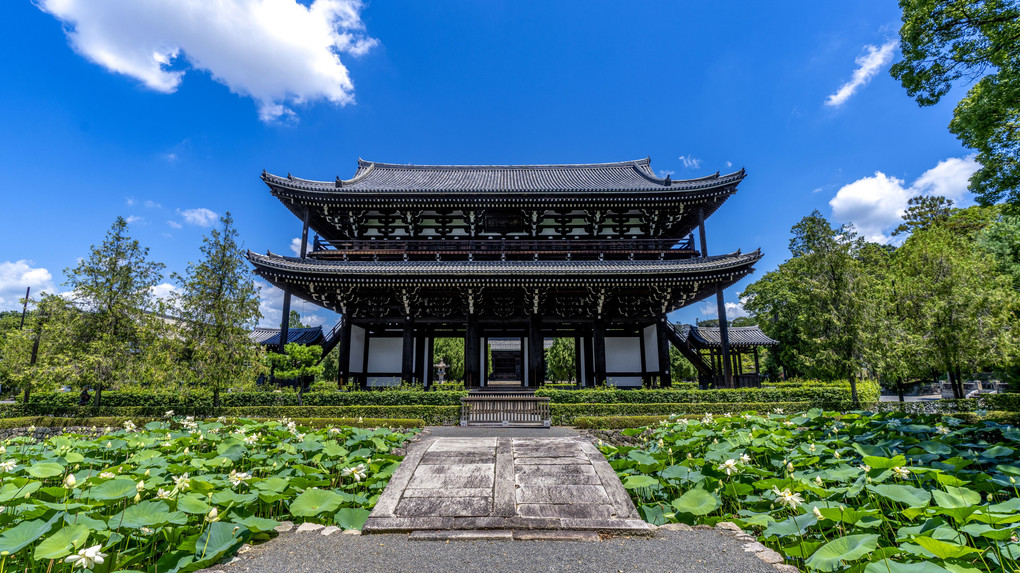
<point>503,497</point>
<point>438,482</point>
<point>585,511</point>
<point>565,460</point>
<point>444,506</point>
<point>448,492</point>
<point>462,535</point>
<point>577,494</point>
<point>558,535</point>
<point>458,458</point>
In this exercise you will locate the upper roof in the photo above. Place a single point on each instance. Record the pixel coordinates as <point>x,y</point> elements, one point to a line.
<point>708,336</point>
<point>623,176</point>
<point>271,336</point>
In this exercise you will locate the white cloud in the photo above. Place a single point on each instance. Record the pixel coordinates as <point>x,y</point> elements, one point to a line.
<point>199,216</point>
<point>868,64</point>
<point>133,219</point>
<point>130,201</point>
<point>665,172</point>
<point>689,162</point>
<point>16,276</point>
<point>875,205</point>
<point>150,204</point>
<point>710,309</point>
<point>295,246</point>
<point>270,304</point>
<point>174,224</point>
<point>278,52</point>
<point>729,164</point>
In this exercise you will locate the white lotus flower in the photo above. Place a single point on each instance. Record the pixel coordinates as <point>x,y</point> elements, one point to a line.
<point>729,466</point>
<point>357,472</point>
<point>213,515</point>
<point>163,494</point>
<point>182,482</point>
<point>168,414</point>
<point>943,429</point>
<point>31,429</point>
<point>778,410</point>
<point>818,481</point>
<point>789,467</point>
<point>107,475</point>
<point>835,455</point>
<point>333,430</point>
<point>252,439</point>
<point>745,459</point>
<point>87,558</point>
<point>788,498</point>
<point>811,448</point>
<point>707,419</point>
<point>237,478</point>
<point>902,473</point>
<point>3,450</point>
<point>8,465</point>
<point>865,467</point>
<point>70,481</point>
<point>129,426</point>
<point>140,486</point>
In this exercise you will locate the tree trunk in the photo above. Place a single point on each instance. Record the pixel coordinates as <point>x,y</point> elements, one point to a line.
<point>959,380</point>
<point>899,389</point>
<point>853,391</point>
<point>28,391</point>
<point>99,395</point>
<point>952,384</point>
<point>216,397</point>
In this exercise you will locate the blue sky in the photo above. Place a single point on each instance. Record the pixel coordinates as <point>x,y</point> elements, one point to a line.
<point>167,111</point>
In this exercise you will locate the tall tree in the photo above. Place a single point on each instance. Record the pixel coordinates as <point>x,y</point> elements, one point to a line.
<point>823,296</point>
<point>220,303</point>
<point>946,41</point>
<point>924,211</point>
<point>956,302</point>
<point>451,352</point>
<point>560,359</point>
<point>112,289</point>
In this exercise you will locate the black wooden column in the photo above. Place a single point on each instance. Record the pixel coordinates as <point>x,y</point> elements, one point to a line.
<point>285,322</point>
<point>472,366</point>
<point>589,361</point>
<point>430,344</point>
<point>419,358</point>
<point>343,367</point>
<point>536,352</point>
<point>599,343</point>
<point>724,328</point>
<point>577,361</point>
<point>407,362</point>
<point>665,372</point>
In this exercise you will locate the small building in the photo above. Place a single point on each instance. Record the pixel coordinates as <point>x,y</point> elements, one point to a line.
<point>702,346</point>
<point>304,336</point>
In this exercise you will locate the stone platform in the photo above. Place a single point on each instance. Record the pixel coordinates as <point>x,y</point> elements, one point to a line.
<point>504,483</point>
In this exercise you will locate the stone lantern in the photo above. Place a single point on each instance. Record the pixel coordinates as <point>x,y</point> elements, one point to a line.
<point>441,371</point>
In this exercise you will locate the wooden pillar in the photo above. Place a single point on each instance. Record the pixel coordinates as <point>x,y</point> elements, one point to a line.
<point>577,361</point>
<point>343,367</point>
<point>304,234</point>
<point>419,358</point>
<point>472,369</point>
<point>589,361</point>
<point>430,345</point>
<point>285,323</point>
<point>757,368</point>
<point>665,370</point>
<point>599,343</point>
<point>536,352</point>
<point>407,356</point>
<point>724,334</point>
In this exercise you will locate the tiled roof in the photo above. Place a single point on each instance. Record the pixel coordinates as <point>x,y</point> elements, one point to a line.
<point>271,336</point>
<point>439,269</point>
<point>708,336</point>
<point>626,176</point>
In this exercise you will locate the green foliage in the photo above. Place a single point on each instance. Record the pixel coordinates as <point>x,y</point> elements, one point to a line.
<point>923,212</point>
<point>946,42</point>
<point>560,359</point>
<point>568,414</point>
<point>298,362</point>
<point>679,367</point>
<point>183,494</point>
<point>221,303</point>
<point>118,421</point>
<point>1001,239</point>
<point>837,492</point>
<point>450,351</point>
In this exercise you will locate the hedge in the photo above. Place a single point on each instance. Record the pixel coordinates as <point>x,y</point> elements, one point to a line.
<point>117,422</point>
<point>567,414</point>
<point>836,397</point>
<point>432,415</point>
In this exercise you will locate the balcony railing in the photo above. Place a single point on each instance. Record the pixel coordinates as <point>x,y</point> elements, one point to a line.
<point>503,249</point>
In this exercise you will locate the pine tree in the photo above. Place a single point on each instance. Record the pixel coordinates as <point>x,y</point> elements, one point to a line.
<point>112,290</point>
<point>220,305</point>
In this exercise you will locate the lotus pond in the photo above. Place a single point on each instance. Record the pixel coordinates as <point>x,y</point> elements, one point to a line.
<point>838,492</point>
<point>180,494</point>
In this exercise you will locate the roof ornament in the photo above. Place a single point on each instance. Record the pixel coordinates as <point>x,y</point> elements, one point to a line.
<point>339,183</point>
<point>289,176</point>
<point>264,174</point>
<point>669,180</point>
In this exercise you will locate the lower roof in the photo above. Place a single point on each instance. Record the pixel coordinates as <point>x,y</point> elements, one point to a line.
<point>739,336</point>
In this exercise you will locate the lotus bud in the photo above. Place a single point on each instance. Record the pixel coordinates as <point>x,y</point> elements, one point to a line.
<point>109,444</point>
<point>213,515</point>
<point>141,486</point>
<point>789,467</point>
<point>817,513</point>
<point>69,481</point>
<point>146,473</point>
<point>1012,480</point>
<point>138,497</point>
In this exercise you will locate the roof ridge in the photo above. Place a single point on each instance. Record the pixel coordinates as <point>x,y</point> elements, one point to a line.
<point>482,166</point>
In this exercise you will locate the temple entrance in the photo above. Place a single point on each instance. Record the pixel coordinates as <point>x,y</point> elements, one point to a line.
<point>507,367</point>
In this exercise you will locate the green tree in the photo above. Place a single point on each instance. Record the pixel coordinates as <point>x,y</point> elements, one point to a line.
<point>221,303</point>
<point>1001,239</point>
<point>818,302</point>
<point>450,351</point>
<point>112,289</point>
<point>946,41</point>
<point>924,211</point>
<point>560,359</point>
<point>295,320</point>
<point>961,309</point>
<point>680,368</point>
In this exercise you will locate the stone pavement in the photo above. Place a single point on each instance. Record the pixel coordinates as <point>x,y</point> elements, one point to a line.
<point>505,483</point>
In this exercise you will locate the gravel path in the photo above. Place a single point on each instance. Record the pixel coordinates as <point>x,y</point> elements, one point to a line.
<point>668,551</point>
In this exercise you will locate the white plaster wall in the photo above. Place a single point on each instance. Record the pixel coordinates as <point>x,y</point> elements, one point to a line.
<point>623,354</point>
<point>357,349</point>
<point>385,354</point>
<point>651,348</point>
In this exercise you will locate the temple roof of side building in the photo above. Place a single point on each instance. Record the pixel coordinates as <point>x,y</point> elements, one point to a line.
<point>271,336</point>
<point>624,176</point>
<point>436,271</point>
<point>739,336</point>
